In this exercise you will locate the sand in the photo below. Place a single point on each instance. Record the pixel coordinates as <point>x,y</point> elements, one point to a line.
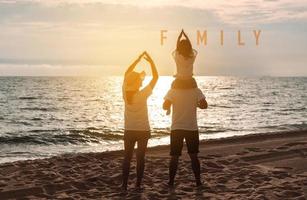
<point>263,166</point>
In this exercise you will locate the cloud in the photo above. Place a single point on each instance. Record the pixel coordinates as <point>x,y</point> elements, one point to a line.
<point>56,70</point>
<point>94,32</point>
<point>230,12</point>
<point>99,15</point>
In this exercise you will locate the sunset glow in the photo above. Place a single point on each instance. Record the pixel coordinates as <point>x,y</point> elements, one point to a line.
<point>75,37</point>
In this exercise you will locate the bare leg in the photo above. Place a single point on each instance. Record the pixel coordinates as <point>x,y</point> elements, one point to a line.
<point>196,168</point>
<point>140,157</point>
<point>173,169</point>
<point>129,146</point>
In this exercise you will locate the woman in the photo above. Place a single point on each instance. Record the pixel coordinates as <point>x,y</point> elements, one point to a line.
<point>137,127</point>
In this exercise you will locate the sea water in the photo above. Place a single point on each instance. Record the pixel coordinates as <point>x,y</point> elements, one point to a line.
<point>46,116</point>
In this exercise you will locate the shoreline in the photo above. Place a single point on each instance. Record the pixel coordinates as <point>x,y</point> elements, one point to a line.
<point>221,140</point>
<point>256,166</point>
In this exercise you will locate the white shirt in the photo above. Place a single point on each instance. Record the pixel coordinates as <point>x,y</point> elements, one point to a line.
<point>184,65</point>
<point>184,106</point>
<point>136,113</point>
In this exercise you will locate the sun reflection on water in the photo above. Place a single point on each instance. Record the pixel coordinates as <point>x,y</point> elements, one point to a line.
<point>78,114</point>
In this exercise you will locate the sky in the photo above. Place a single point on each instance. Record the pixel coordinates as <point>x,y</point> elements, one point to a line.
<point>102,37</point>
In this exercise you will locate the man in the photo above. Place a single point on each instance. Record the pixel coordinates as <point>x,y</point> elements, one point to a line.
<point>184,104</point>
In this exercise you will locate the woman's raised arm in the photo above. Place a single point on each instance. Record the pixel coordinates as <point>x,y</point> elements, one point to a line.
<point>154,71</point>
<point>132,66</point>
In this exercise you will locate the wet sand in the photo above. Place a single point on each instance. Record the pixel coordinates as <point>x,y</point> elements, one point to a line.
<point>262,166</point>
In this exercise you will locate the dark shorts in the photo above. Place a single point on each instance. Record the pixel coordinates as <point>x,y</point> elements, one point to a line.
<point>136,135</point>
<point>132,137</point>
<point>191,138</point>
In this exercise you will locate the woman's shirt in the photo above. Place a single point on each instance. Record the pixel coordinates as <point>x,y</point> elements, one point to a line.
<point>184,65</point>
<point>136,113</point>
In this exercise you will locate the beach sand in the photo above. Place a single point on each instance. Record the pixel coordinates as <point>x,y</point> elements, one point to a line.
<point>262,166</point>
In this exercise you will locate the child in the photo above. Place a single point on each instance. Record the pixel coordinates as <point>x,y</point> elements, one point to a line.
<point>184,56</point>
<point>137,127</point>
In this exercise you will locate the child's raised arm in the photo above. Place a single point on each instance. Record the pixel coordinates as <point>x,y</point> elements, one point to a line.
<point>179,37</point>
<point>185,35</point>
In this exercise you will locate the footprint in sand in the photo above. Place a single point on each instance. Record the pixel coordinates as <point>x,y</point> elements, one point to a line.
<point>280,174</point>
<point>295,144</point>
<point>187,189</point>
<point>242,153</point>
<point>289,194</point>
<point>255,149</point>
<point>213,165</point>
<point>214,155</point>
<point>284,168</point>
<point>2,183</point>
<point>282,148</point>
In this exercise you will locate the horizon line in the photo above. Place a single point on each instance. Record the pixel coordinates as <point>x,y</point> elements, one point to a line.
<point>85,76</point>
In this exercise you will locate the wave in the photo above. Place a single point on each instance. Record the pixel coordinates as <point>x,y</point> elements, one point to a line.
<point>212,129</point>
<point>27,98</point>
<point>104,134</point>
<point>74,137</point>
<point>160,132</point>
<point>70,136</point>
<point>39,109</point>
<point>225,88</point>
<point>289,127</point>
<point>221,106</point>
<point>293,109</point>
<point>21,122</point>
<point>36,119</point>
<point>302,126</point>
<point>90,133</point>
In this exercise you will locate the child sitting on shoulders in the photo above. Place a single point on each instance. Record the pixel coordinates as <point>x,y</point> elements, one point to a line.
<point>184,56</point>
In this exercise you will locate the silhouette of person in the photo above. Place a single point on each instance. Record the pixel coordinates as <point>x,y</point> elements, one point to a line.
<point>184,97</point>
<point>137,128</point>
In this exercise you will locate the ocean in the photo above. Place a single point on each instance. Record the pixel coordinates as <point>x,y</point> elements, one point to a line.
<point>47,116</point>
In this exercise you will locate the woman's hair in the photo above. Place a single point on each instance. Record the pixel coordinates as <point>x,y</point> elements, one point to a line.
<point>131,93</point>
<point>185,48</point>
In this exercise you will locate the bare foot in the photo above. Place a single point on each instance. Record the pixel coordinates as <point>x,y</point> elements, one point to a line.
<point>138,188</point>
<point>198,183</point>
<point>123,187</point>
<point>171,184</point>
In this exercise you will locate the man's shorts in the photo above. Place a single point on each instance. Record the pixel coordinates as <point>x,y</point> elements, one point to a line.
<point>191,139</point>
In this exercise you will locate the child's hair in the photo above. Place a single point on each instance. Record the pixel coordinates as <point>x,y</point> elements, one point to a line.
<point>185,48</point>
